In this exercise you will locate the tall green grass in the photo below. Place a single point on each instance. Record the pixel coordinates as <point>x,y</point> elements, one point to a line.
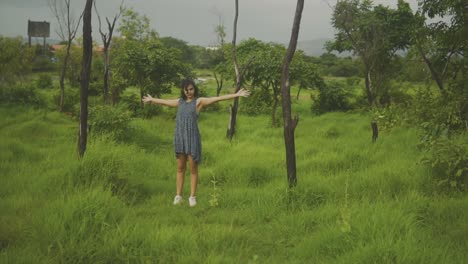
<point>356,202</point>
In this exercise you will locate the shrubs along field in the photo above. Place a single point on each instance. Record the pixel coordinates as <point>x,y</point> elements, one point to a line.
<point>355,202</point>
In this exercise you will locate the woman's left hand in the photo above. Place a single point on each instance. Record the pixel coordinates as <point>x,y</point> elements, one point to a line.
<point>243,92</point>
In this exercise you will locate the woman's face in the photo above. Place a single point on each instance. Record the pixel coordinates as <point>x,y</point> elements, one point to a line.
<point>189,92</point>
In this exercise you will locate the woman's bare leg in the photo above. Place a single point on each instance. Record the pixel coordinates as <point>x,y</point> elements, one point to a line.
<point>194,176</point>
<point>181,165</point>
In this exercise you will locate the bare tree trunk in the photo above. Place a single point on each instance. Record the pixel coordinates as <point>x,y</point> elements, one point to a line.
<point>219,84</point>
<point>106,76</point>
<point>85,77</point>
<point>275,105</point>
<point>62,76</point>
<point>289,123</point>
<point>433,71</point>
<point>368,83</point>
<point>233,108</point>
<point>67,31</point>
<point>298,92</point>
<point>106,40</point>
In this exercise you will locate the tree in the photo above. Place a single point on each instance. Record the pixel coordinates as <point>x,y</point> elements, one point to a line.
<point>374,34</point>
<point>187,54</point>
<point>442,44</point>
<point>106,40</point>
<point>85,76</point>
<point>304,73</point>
<point>290,124</point>
<point>149,66</point>
<point>220,31</point>
<point>16,59</point>
<point>141,60</point>
<point>265,71</point>
<point>68,27</point>
<point>239,78</point>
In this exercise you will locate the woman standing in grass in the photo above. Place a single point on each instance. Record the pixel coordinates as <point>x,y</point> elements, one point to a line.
<point>187,143</point>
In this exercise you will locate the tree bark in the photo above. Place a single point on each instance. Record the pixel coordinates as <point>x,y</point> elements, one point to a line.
<point>233,109</point>
<point>219,83</point>
<point>106,40</point>
<point>368,83</point>
<point>433,71</point>
<point>289,123</point>
<point>375,131</point>
<point>275,104</point>
<point>85,77</point>
<point>62,76</point>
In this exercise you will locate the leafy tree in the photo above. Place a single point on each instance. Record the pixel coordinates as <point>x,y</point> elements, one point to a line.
<point>136,27</point>
<point>442,44</point>
<point>148,65</point>
<point>15,59</point>
<point>374,34</point>
<point>187,54</point>
<point>305,73</point>
<point>140,59</point>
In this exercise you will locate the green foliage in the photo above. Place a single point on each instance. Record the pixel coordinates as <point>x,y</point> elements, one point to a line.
<point>449,163</point>
<point>330,64</point>
<point>375,34</point>
<point>389,117</point>
<point>259,103</point>
<point>130,98</point>
<point>111,120</point>
<point>334,96</point>
<point>43,63</point>
<point>187,53</point>
<point>25,94</point>
<point>437,112</point>
<point>15,59</point>
<point>134,26</point>
<point>147,65</point>
<point>71,100</point>
<point>72,72</point>
<point>44,81</point>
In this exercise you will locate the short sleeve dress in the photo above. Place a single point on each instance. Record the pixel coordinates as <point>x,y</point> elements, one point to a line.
<point>187,136</point>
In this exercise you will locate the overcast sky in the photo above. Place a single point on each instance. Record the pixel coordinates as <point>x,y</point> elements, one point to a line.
<point>193,20</point>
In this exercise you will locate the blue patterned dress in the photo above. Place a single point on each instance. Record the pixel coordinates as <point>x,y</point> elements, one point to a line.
<point>186,135</point>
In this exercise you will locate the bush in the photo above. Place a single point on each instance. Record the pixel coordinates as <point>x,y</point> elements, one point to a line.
<point>333,96</point>
<point>211,108</point>
<point>259,102</point>
<point>449,163</point>
<point>71,99</point>
<point>43,63</point>
<point>111,120</point>
<point>21,94</point>
<point>130,97</point>
<point>44,81</point>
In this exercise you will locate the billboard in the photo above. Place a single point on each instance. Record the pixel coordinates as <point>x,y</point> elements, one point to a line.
<point>38,29</point>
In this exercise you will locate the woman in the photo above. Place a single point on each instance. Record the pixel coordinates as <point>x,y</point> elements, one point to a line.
<point>187,143</point>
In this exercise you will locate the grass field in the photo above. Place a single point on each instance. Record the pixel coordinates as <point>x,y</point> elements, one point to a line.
<point>355,202</point>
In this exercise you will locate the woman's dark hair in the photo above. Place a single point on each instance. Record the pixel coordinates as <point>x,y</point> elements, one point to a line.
<point>185,84</point>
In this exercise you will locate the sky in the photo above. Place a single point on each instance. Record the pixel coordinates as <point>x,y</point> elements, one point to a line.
<point>193,20</point>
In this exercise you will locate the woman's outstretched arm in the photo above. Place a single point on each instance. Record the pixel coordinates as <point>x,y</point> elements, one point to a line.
<point>167,102</point>
<point>205,101</point>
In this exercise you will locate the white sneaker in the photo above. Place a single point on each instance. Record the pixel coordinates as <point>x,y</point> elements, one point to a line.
<point>177,199</point>
<point>192,201</point>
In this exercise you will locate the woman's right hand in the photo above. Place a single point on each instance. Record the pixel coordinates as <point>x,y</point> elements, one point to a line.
<point>147,99</point>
